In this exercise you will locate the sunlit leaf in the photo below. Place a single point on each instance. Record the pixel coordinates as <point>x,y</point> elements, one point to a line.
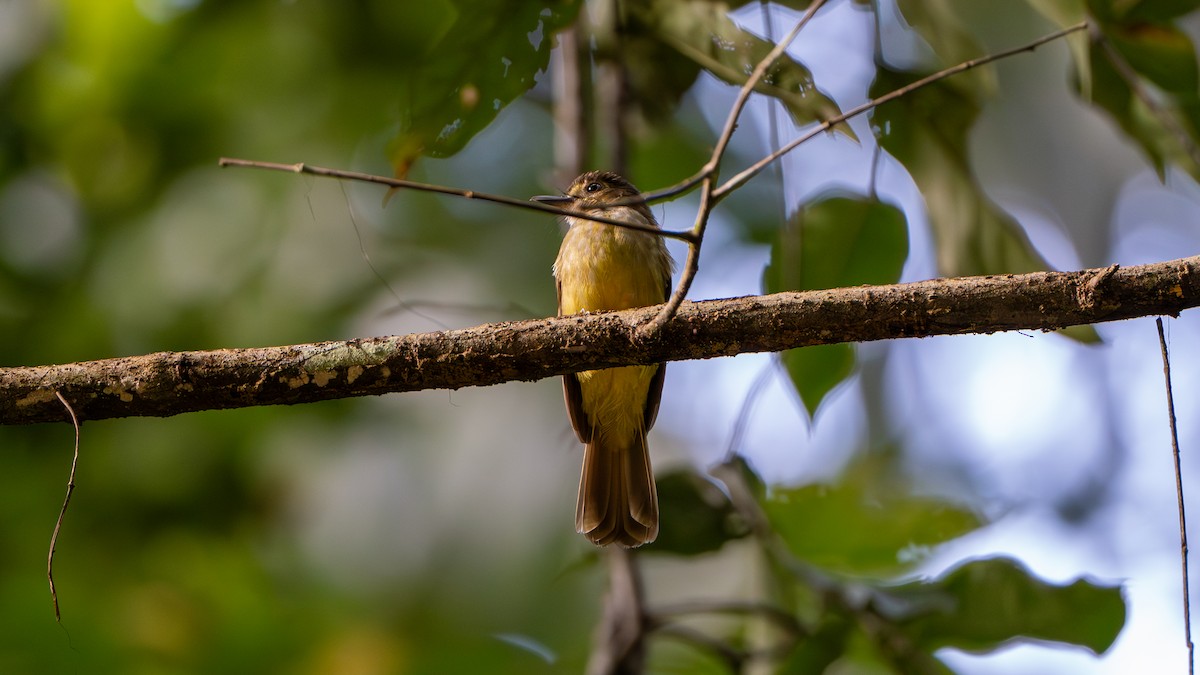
<point>834,242</point>
<point>865,524</point>
<point>465,61</point>
<point>983,604</point>
<point>702,32</point>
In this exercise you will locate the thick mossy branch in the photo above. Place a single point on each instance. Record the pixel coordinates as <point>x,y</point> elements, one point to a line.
<point>169,383</point>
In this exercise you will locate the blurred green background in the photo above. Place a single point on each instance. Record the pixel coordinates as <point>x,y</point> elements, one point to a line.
<point>185,548</point>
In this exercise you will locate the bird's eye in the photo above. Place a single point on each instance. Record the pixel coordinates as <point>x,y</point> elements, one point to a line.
<point>593,187</point>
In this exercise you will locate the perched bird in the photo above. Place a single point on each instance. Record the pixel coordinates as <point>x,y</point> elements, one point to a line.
<point>605,267</point>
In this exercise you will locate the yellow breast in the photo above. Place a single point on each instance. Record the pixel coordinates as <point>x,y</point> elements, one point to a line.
<point>603,267</point>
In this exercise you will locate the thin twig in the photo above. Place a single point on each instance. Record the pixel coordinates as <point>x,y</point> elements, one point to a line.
<point>362,250</point>
<point>711,171</point>
<point>706,178</point>
<point>1183,547</point>
<point>710,195</point>
<point>63,511</point>
<point>753,170</point>
<point>756,75</point>
<point>339,174</point>
<point>718,193</point>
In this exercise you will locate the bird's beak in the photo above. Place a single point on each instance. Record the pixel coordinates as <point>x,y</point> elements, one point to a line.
<point>555,200</point>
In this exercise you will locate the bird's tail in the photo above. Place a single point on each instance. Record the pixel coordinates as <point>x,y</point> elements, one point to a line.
<point>618,502</point>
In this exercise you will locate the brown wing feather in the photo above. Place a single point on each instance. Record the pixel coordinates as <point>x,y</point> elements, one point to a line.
<point>653,396</point>
<point>572,394</point>
<point>654,393</point>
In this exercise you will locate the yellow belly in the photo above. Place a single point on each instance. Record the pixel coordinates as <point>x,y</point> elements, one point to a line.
<point>601,267</point>
<point>615,400</point>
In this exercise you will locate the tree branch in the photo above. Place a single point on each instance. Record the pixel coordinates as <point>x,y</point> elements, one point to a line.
<point>169,383</point>
<point>712,169</point>
<point>754,169</point>
<point>301,167</point>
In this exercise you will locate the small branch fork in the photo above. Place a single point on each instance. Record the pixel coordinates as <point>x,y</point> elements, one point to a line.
<point>706,178</point>
<point>710,172</point>
<point>710,196</point>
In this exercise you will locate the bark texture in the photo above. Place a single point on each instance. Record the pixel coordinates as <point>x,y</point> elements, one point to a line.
<point>169,383</point>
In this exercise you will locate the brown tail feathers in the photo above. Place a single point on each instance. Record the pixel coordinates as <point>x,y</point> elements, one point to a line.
<point>618,503</point>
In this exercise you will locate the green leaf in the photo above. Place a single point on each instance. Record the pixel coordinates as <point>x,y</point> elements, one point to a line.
<point>696,515</point>
<point>834,242</point>
<point>865,524</point>
<point>1112,91</point>
<point>1062,12</point>
<point>670,155</point>
<point>702,32</point>
<point>463,62</point>
<point>886,652</point>
<point>656,74</point>
<point>816,370</point>
<point>985,603</point>
<point>941,28</point>
<point>825,645</point>
<point>1161,53</point>
<point>927,132</point>
<point>839,240</point>
<point>1141,10</point>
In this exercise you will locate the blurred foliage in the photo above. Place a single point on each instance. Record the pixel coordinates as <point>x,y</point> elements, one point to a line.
<point>665,45</point>
<point>987,602</point>
<point>834,241</point>
<point>450,94</point>
<point>868,524</point>
<point>186,547</point>
<point>704,518</point>
<point>928,132</point>
<point>1140,68</point>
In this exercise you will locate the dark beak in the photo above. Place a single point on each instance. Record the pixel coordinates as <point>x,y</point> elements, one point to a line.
<point>556,200</point>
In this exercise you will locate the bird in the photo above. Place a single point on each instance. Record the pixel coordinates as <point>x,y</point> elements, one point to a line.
<point>606,267</point>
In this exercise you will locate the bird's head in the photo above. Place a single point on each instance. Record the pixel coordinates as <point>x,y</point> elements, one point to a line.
<point>599,191</point>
